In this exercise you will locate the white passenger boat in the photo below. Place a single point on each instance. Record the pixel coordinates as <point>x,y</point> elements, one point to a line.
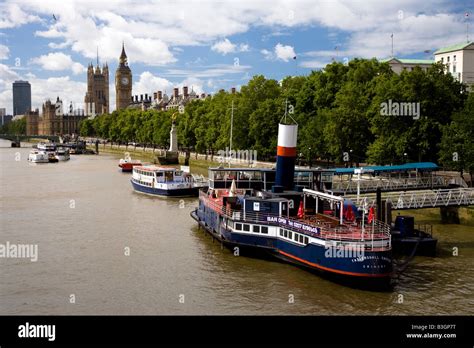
<point>166,181</point>
<point>48,147</point>
<point>62,154</point>
<point>36,156</point>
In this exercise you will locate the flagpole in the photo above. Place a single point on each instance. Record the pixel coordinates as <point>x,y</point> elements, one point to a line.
<point>373,227</point>
<point>467,27</point>
<point>296,66</point>
<point>231,126</point>
<point>392,44</point>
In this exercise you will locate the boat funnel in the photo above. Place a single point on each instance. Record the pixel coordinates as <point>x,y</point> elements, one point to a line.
<point>286,155</point>
<point>233,189</point>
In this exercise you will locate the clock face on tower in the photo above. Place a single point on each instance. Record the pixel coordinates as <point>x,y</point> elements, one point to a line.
<point>124,81</point>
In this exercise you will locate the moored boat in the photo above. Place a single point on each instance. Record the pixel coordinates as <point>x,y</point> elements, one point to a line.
<point>408,240</point>
<point>36,156</point>
<point>52,157</point>
<point>127,164</point>
<point>166,181</point>
<point>300,224</point>
<point>62,154</point>
<point>47,147</point>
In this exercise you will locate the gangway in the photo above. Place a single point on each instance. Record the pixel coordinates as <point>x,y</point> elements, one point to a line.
<point>420,199</point>
<point>409,176</point>
<point>348,186</point>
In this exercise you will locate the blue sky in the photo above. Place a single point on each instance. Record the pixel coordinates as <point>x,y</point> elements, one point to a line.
<point>208,45</point>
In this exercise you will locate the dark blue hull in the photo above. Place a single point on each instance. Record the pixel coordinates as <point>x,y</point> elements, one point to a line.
<point>375,265</point>
<point>187,192</point>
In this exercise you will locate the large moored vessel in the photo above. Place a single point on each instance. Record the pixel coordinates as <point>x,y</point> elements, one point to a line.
<point>288,214</point>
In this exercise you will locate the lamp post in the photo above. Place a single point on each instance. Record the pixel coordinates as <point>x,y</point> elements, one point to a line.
<point>358,171</point>
<point>309,157</point>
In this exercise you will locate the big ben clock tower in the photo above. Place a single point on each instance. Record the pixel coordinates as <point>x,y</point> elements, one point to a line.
<point>123,82</point>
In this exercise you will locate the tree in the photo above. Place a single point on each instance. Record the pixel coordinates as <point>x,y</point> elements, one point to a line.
<point>457,143</point>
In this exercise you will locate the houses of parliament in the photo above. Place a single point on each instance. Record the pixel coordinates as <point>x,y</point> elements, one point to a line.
<point>97,95</point>
<point>53,121</point>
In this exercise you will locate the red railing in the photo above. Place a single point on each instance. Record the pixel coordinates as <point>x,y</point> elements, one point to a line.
<point>375,232</point>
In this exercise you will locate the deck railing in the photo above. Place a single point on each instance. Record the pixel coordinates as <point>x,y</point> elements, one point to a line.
<point>390,183</point>
<point>376,233</point>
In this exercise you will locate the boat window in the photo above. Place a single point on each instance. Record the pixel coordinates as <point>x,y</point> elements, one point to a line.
<point>290,235</point>
<point>169,176</point>
<point>285,233</point>
<point>230,175</point>
<point>296,237</point>
<point>238,227</point>
<point>219,175</point>
<point>246,227</point>
<point>281,232</point>
<point>306,239</point>
<point>178,173</point>
<point>264,230</point>
<point>256,229</point>
<point>159,174</point>
<point>326,177</point>
<point>301,238</point>
<point>303,177</point>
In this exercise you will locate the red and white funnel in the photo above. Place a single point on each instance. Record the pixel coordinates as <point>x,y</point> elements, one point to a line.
<point>286,155</point>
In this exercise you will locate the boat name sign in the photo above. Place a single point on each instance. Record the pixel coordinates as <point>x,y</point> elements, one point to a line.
<point>312,230</point>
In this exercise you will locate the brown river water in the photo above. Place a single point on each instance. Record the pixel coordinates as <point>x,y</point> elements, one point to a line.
<point>84,216</point>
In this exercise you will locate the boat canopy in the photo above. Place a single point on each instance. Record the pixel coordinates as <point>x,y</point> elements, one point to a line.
<point>418,166</point>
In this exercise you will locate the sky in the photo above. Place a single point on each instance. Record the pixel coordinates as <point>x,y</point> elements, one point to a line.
<point>209,45</point>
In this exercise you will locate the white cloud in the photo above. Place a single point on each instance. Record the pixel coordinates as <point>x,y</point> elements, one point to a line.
<point>41,89</point>
<point>149,83</point>
<point>151,37</point>
<point>4,52</point>
<point>225,46</point>
<point>313,64</point>
<point>59,46</point>
<point>209,71</point>
<point>280,52</point>
<point>284,52</point>
<point>11,15</point>
<point>267,54</point>
<point>57,62</point>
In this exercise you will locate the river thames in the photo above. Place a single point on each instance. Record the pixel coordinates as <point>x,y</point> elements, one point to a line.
<point>84,217</point>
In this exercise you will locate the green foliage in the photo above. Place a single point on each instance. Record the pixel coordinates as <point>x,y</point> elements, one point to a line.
<point>17,127</point>
<point>457,143</point>
<point>338,110</point>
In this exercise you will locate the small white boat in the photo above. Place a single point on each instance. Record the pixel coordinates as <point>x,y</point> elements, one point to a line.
<point>47,147</point>
<point>167,181</point>
<point>62,154</point>
<point>36,156</point>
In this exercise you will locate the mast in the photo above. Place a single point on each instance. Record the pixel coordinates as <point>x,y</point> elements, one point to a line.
<point>231,128</point>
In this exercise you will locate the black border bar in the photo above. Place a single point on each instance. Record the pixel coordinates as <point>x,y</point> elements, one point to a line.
<point>223,330</point>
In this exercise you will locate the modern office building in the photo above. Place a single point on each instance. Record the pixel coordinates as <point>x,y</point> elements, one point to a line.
<point>21,97</point>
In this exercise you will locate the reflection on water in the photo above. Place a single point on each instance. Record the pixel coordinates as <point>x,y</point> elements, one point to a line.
<point>84,215</point>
